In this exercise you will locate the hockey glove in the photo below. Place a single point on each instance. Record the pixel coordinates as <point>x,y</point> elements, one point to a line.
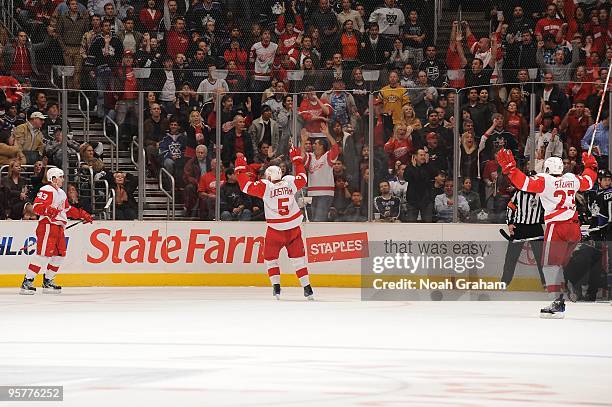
<point>589,161</point>
<point>86,216</point>
<point>52,212</point>
<point>296,155</point>
<point>240,165</point>
<point>506,160</point>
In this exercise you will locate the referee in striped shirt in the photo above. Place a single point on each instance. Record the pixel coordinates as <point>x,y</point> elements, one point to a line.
<point>524,217</point>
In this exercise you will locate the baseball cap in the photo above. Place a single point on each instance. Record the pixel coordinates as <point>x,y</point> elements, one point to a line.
<point>38,115</point>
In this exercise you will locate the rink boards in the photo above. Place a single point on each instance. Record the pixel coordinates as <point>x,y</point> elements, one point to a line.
<point>230,253</point>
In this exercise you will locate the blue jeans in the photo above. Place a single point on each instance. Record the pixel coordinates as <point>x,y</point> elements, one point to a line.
<point>103,81</point>
<point>245,215</point>
<point>320,207</point>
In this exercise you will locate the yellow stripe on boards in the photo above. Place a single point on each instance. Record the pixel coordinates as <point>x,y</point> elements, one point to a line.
<point>217,280</point>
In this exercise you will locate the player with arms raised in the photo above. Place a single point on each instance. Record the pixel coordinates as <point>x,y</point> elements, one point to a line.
<point>557,193</point>
<point>51,204</point>
<point>283,217</point>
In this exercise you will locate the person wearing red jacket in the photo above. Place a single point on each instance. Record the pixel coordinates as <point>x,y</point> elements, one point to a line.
<point>283,217</point>
<point>12,89</point>
<point>178,39</point>
<point>53,208</point>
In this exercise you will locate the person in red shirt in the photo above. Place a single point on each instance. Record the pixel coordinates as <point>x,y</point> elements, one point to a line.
<point>350,41</point>
<point>314,111</point>
<point>178,39</point>
<point>125,87</point>
<point>580,89</point>
<point>12,89</point>
<point>207,189</point>
<point>150,17</point>
<point>575,124</point>
<point>288,39</point>
<point>549,24</point>
<point>400,146</point>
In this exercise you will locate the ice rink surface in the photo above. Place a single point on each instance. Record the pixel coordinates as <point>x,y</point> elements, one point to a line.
<point>183,347</point>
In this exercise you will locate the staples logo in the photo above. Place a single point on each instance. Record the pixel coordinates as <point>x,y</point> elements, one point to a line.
<point>337,247</point>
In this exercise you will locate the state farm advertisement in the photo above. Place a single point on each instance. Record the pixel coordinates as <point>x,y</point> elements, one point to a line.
<point>237,248</point>
<point>195,247</point>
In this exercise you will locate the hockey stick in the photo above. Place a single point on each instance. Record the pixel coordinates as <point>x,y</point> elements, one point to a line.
<point>529,239</point>
<point>601,103</point>
<point>512,240</point>
<point>106,206</point>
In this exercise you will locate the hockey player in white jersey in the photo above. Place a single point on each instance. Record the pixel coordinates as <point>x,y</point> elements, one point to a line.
<point>52,205</point>
<point>557,193</point>
<point>283,217</point>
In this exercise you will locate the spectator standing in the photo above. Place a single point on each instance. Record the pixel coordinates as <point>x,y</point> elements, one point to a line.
<point>600,145</point>
<point>414,35</point>
<point>71,27</point>
<point>235,204</point>
<point>561,72</point>
<point>319,165</point>
<point>20,59</point>
<point>53,149</point>
<point>394,97</point>
<point>390,19</point>
<point>130,38</point>
<point>150,17</point>
<point>262,56</point>
<point>237,140</point>
<point>178,39</point>
<point>264,129</point>
<point>374,49</point>
<point>29,137</point>
<point>549,24</point>
<point>324,19</point>
<point>107,51</point>
<point>314,111</point>
<point>575,124</point>
<point>434,67</point>
<point>347,14</point>
<point>194,169</point>
<point>419,200</point>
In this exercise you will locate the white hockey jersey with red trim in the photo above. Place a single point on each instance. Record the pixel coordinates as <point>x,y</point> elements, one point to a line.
<point>558,194</point>
<point>320,172</point>
<point>281,208</point>
<point>49,196</point>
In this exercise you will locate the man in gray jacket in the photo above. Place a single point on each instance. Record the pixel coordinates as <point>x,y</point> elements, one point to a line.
<point>264,129</point>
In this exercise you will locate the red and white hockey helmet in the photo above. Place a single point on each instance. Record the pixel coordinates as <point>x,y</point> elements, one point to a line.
<point>553,166</point>
<point>54,173</point>
<point>273,173</point>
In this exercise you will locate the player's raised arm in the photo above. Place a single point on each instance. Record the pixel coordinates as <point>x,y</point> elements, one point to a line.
<point>247,186</point>
<point>298,167</point>
<point>505,158</point>
<point>589,175</point>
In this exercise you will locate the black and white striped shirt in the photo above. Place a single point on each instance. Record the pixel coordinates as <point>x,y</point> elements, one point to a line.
<point>524,208</point>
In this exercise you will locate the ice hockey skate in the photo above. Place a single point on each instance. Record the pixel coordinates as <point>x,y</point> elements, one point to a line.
<point>556,310</point>
<point>49,287</point>
<point>276,291</point>
<point>27,287</point>
<point>308,293</point>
